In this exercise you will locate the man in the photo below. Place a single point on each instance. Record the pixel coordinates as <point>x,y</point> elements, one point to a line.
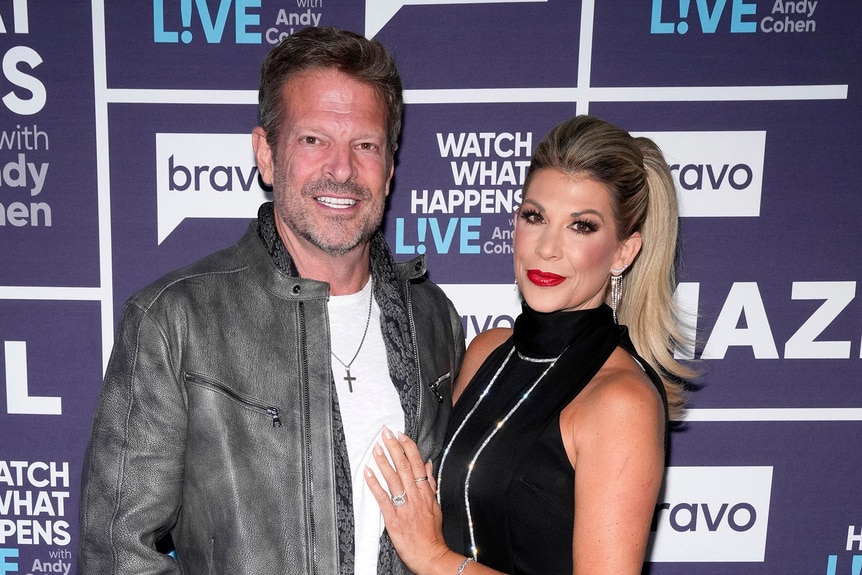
<point>245,393</point>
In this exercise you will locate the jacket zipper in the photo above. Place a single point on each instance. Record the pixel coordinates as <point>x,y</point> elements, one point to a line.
<point>254,404</point>
<point>435,385</point>
<point>306,426</point>
<point>415,433</point>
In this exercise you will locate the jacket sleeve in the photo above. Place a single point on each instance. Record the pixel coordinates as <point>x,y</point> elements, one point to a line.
<point>458,340</point>
<point>133,470</point>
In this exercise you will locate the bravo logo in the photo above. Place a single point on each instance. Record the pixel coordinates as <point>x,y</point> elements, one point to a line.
<point>717,174</point>
<point>205,176</point>
<point>485,306</point>
<point>712,514</point>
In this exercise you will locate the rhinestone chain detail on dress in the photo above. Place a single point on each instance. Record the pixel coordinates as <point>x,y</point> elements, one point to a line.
<point>470,466</point>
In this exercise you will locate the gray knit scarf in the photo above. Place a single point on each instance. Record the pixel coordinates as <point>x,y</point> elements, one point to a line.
<point>395,325</point>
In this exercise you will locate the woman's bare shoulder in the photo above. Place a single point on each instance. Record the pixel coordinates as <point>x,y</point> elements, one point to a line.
<point>623,388</point>
<point>620,405</point>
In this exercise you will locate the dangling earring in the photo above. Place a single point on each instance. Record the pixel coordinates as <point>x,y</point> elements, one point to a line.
<point>617,289</point>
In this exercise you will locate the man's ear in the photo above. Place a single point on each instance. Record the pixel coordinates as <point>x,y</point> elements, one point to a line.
<point>263,155</point>
<point>389,179</point>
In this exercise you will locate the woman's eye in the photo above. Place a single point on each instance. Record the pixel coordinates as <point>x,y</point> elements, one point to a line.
<point>584,227</point>
<point>531,217</point>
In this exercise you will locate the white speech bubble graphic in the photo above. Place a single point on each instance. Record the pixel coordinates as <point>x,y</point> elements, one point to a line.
<point>712,514</point>
<point>484,306</point>
<point>718,174</point>
<point>379,12</point>
<point>205,176</point>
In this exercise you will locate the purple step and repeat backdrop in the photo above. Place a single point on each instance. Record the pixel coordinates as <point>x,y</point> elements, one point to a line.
<point>125,152</point>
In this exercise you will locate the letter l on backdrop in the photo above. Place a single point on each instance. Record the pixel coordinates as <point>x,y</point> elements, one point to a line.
<point>18,399</point>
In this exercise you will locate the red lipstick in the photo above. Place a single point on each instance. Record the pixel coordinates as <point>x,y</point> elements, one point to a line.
<point>544,279</point>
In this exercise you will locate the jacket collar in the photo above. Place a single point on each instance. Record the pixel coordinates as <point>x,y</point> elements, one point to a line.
<point>264,252</point>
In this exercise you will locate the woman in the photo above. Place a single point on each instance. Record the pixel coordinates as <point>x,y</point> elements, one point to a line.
<point>554,454</point>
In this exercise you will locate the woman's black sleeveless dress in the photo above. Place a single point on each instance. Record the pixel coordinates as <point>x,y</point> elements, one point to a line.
<point>504,467</point>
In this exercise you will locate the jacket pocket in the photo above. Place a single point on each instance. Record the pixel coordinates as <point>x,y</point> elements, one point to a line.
<point>440,385</point>
<point>245,401</point>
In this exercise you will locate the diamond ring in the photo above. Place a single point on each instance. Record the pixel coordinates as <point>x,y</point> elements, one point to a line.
<point>399,500</point>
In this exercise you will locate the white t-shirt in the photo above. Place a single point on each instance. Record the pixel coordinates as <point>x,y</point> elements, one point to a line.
<point>373,403</point>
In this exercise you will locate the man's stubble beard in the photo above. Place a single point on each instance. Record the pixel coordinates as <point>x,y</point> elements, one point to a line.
<point>292,213</point>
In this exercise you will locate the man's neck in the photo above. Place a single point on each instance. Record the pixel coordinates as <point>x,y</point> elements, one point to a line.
<point>345,274</point>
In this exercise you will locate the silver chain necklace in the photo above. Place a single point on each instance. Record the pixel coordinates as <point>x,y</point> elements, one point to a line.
<point>471,465</point>
<point>349,378</point>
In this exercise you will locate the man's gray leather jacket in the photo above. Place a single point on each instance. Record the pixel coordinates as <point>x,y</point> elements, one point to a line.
<point>215,419</point>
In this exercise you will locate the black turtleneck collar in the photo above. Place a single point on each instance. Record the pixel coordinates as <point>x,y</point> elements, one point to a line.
<point>546,335</point>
